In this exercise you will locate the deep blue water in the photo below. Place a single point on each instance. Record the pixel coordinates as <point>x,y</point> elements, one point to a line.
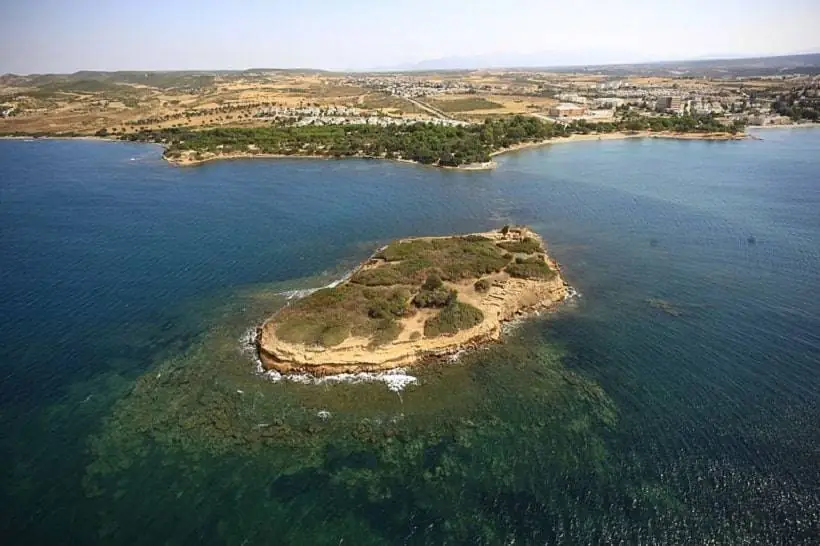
<point>699,321</point>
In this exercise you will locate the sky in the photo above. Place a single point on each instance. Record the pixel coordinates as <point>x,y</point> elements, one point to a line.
<point>58,36</point>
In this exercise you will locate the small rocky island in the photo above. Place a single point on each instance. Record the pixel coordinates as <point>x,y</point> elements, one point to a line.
<point>413,300</point>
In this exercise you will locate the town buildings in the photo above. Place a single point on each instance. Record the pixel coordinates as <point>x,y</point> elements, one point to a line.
<point>669,104</point>
<point>566,110</point>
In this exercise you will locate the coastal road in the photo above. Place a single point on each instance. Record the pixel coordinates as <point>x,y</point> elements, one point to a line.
<point>429,109</point>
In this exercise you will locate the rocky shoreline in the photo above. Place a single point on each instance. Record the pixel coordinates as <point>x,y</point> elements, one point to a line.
<point>188,159</point>
<point>508,299</point>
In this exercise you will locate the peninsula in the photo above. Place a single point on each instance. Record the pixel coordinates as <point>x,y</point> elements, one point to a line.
<point>413,300</point>
<point>466,146</point>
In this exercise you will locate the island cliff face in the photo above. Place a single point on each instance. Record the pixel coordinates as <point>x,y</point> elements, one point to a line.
<point>414,300</point>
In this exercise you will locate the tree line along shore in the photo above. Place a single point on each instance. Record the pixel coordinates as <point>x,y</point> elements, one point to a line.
<point>425,143</point>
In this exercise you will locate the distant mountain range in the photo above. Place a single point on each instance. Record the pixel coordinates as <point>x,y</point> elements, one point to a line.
<point>606,63</point>
<point>616,63</point>
<point>507,60</point>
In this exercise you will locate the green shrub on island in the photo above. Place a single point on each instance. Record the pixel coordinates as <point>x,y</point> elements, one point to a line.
<point>455,317</point>
<point>386,331</point>
<point>474,260</point>
<point>433,293</point>
<point>388,306</point>
<point>531,268</point>
<point>482,285</point>
<point>439,297</point>
<point>433,282</point>
<point>528,245</point>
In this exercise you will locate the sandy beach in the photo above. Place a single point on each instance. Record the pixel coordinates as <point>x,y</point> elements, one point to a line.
<point>622,136</point>
<point>786,126</point>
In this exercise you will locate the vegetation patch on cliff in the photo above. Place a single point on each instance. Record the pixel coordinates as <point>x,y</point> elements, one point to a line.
<point>531,268</point>
<point>528,245</point>
<point>330,315</point>
<point>453,318</point>
<point>452,258</point>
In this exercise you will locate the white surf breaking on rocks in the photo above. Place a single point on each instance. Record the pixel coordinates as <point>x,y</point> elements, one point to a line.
<point>396,380</point>
<point>300,293</point>
<point>572,294</point>
<point>247,346</point>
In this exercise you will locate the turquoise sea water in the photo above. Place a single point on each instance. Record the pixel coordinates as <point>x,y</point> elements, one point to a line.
<point>674,402</point>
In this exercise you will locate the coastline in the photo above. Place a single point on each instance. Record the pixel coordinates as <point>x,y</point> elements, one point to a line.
<point>623,136</point>
<point>186,159</point>
<point>786,126</point>
<point>57,137</point>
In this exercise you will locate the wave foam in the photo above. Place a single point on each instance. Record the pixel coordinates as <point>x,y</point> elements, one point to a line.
<point>247,346</point>
<point>572,294</point>
<point>304,292</point>
<point>396,380</point>
<point>297,294</point>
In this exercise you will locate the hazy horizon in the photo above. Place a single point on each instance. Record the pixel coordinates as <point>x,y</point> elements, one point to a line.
<point>46,36</point>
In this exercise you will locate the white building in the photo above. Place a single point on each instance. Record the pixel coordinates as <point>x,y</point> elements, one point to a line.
<point>566,110</point>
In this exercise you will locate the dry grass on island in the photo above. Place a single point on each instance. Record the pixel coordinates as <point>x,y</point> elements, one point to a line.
<point>414,299</point>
